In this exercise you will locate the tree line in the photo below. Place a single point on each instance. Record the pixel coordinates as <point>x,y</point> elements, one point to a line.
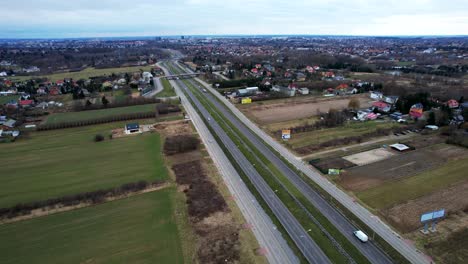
<point>94,197</point>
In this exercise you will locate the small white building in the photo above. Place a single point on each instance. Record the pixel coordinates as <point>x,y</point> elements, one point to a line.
<point>132,128</point>
<point>304,91</point>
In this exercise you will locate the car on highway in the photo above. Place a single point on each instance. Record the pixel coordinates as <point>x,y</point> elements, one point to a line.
<point>361,236</point>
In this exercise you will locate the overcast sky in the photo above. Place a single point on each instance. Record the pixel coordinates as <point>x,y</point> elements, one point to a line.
<point>103,18</point>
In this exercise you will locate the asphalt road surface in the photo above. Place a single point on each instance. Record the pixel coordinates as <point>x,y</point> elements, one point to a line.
<point>370,250</point>
<point>298,234</point>
<point>268,237</point>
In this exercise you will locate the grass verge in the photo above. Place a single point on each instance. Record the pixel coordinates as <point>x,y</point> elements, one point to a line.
<point>140,229</point>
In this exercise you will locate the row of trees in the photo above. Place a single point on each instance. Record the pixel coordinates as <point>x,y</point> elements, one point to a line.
<point>94,197</point>
<point>122,117</point>
<point>180,144</point>
<point>106,104</point>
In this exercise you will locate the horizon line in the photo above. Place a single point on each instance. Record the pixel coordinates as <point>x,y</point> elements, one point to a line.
<point>233,35</point>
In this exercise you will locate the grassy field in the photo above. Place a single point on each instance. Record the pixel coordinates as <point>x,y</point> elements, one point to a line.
<point>62,162</point>
<point>6,99</point>
<point>274,127</point>
<point>94,114</point>
<point>86,73</point>
<point>168,91</point>
<point>416,186</point>
<point>320,136</point>
<point>140,229</point>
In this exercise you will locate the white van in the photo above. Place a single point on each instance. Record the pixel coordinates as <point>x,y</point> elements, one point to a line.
<point>361,236</point>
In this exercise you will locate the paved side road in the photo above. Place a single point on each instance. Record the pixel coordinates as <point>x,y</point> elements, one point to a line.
<point>383,230</point>
<point>277,250</point>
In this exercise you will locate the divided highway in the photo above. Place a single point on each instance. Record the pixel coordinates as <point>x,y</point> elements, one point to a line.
<point>370,250</point>
<point>269,238</point>
<point>301,238</point>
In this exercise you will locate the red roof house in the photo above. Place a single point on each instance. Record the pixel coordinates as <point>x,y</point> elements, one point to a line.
<point>452,103</point>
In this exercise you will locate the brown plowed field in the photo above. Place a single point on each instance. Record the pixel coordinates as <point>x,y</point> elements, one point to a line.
<point>297,108</point>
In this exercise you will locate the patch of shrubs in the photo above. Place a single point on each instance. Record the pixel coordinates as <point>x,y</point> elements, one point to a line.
<point>180,144</point>
<point>98,138</point>
<point>458,138</point>
<point>94,197</point>
<point>331,119</point>
<point>163,109</point>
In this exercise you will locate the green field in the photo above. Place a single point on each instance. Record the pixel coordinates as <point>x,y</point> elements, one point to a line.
<point>6,99</point>
<point>95,114</point>
<point>86,73</point>
<point>396,192</point>
<point>168,91</point>
<point>67,161</point>
<point>319,136</point>
<point>140,229</point>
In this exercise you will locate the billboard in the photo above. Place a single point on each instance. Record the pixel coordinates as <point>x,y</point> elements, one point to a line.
<point>432,215</point>
<point>246,100</point>
<point>286,134</point>
<point>333,172</point>
<point>438,214</point>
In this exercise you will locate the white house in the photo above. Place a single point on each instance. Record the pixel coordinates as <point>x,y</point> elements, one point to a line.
<point>304,91</point>
<point>3,74</point>
<point>132,128</point>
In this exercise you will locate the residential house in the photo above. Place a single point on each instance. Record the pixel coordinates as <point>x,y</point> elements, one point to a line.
<point>304,91</point>
<point>247,91</point>
<point>41,90</point>
<point>288,91</point>
<point>132,128</point>
<point>3,74</point>
<point>382,106</point>
<point>8,124</point>
<point>452,103</point>
<point>54,90</point>
<point>328,74</point>
<point>300,77</point>
<point>26,103</point>
<point>390,99</point>
<point>376,95</point>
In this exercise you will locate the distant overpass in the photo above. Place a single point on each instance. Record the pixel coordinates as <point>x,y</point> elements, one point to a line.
<point>181,76</point>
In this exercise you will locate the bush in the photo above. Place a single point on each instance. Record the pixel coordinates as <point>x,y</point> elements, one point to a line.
<point>180,144</point>
<point>98,138</point>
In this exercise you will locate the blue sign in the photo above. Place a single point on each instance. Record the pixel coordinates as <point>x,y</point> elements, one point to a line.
<point>438,214</point>
<point>432,215</point>
<point>426,217</point>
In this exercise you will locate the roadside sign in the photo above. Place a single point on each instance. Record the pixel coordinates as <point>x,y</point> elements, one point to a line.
<point>286,134</point>
<point>426,217</point>
<point>246,100</point>
<point>432,215</point>
<point>333,172</point>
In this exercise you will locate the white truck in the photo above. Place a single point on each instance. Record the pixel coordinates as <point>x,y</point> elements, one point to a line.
<point>361,236</point>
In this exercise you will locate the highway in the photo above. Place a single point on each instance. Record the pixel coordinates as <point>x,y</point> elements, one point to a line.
<point>373,253</point>
<point>268,237</point>
<point>261,140</point>
<point>301,238</point>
